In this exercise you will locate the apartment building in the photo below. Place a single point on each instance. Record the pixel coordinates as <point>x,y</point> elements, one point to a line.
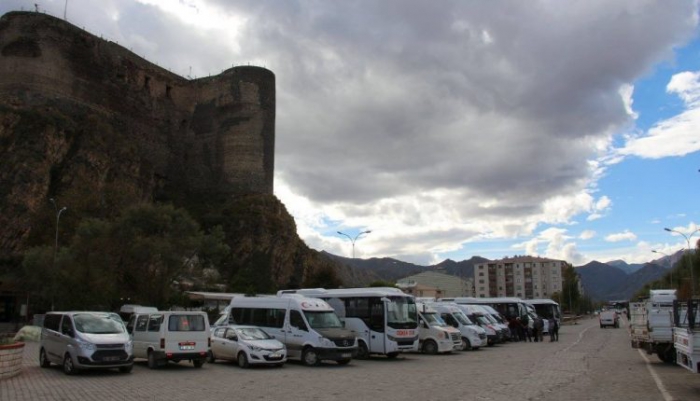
<point>526,277</point>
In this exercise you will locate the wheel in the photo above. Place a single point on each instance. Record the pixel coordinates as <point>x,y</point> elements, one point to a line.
<point>310,357</point>
<point>198,363</point>
<point>343,361</point>
<point>211,357</point>
<point>126,369</point>
<point>362,351</point>
<point>152,362</point>
<point>466,344</point>
<point>242,360</point>
<point>667,356</point>
<point>430,347</point>
<point>68,367</point>
<point>392,355</point>
<point>43,360</point>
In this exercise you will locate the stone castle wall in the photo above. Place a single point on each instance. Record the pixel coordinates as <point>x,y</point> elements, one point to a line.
<point>213,134</point>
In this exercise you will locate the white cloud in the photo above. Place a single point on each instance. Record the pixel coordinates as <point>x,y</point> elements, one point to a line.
<point>675,136</point>
<point>587,234</point>
<point>623,236</point>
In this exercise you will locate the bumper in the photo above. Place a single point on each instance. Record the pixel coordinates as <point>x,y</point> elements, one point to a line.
<point>336,354</point>
<point>180,356</point>
<point>82,362</point>
<point>266,358</point>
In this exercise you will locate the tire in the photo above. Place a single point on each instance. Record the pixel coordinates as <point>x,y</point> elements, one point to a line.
<point>242,360</point>
<point>362,351</point>
<point>126,369</point>
<point>392,355</point>
<point>310,357</point>
<point>344,361</point>
<point>43,360</point>
<point>198,363</point>
<point>211,357</point>
<point>68,366</point>
<point>466,344</point>
<point>430,347</point>
<point>152,362</point>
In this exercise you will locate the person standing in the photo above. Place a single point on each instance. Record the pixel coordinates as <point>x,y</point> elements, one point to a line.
<point>539,329</point>
<point>553,330</point>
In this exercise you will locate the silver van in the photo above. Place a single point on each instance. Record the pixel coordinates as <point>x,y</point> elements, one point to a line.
<point>85,340</point>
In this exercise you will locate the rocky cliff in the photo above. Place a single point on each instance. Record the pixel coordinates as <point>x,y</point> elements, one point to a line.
<point>92,125</point>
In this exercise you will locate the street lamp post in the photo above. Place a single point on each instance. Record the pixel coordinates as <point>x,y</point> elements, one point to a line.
<point>669,260</point>
<point>354,239</point>
<point>690,258</point>
<point>55,246</point>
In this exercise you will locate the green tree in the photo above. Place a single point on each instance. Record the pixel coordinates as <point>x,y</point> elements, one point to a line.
<point>138,256</point>
<point>570,294</point>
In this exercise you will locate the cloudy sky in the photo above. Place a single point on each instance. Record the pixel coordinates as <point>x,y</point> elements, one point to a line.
<point>564,129</point>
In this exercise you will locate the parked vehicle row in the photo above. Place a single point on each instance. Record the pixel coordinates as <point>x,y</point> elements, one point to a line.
<point>310,325</point>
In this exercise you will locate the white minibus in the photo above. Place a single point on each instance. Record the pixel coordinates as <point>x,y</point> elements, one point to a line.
<point>385,319</point>
<point>435,335</point>
<point>308,327</point>
<point>473,336</point>
<point>547,309</point>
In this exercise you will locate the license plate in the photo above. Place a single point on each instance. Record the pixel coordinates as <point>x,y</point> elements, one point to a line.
<point>346,355</point>
<point>275,355</point>
<point>186,347</point>
<point>110,358</point>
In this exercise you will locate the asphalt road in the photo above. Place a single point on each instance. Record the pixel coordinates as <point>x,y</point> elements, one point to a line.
<point>588,363</point>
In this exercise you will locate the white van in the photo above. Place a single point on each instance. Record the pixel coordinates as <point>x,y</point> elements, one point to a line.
<point>435,335</point>
<point>473,336</point>
<point>497,320</point>
<point>85,340</point>
<point>308,327</point>
<point>476,315</point>
<point>162,337</point>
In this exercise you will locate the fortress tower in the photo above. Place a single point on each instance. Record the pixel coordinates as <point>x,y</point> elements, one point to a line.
<point>209,135</point>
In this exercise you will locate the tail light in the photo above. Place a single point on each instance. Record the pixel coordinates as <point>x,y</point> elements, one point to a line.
<point>162,343</point>
<point>209,342</point>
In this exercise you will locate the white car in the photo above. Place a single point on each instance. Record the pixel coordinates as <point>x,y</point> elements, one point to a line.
<point>248,345</point>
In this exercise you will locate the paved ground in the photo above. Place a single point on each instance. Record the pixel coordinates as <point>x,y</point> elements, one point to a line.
<point>588,363</point>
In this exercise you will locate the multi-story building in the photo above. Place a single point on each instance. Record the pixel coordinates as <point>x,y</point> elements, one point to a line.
<point>526,277</point>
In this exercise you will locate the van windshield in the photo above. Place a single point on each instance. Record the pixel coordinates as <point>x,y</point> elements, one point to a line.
<point>462,318</point>
<point>98,323</point>
<point>401,313</point>
<point>323,320</point>
<point>433,319</point>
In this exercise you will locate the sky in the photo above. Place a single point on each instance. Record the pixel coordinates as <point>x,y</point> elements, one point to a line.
<point>451,129</point>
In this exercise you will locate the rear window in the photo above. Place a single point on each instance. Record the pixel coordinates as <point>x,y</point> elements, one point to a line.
<point>186,323</point>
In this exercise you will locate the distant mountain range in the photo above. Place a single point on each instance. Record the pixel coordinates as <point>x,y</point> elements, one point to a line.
<point>613,280</point>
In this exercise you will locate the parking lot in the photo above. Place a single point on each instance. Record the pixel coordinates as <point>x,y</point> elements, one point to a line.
<point>588,363</point>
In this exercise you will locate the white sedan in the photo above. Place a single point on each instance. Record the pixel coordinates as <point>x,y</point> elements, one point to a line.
<point>247,345</point>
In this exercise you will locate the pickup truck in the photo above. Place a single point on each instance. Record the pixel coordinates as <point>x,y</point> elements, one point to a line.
<point>608,318</point>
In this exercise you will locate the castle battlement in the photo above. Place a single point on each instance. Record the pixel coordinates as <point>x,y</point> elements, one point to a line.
<point>212,134</point>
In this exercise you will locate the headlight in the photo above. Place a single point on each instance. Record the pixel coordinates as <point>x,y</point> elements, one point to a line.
<point>445,335</point>
<point>128,347</point>
<point>326,342</point>
<point>86,346</point>
<point>255,348</point>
